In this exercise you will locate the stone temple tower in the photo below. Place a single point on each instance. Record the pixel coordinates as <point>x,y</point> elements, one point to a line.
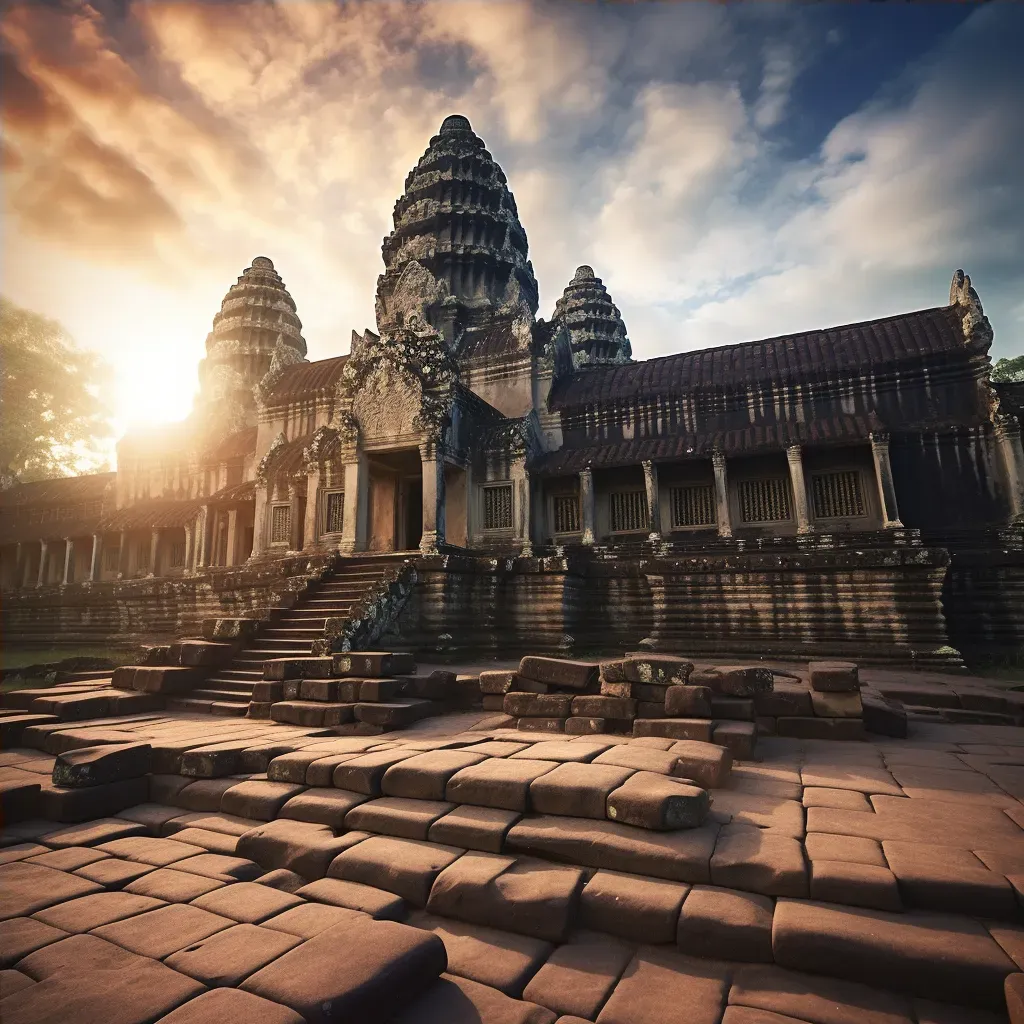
<point>255,330</point>
<point>457,256</point>
<point>597,333</point>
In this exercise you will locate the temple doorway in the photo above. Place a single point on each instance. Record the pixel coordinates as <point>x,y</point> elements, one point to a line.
<point>396,501</point>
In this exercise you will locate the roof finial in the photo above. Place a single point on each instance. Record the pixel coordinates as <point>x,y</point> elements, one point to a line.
<point>455,123</point>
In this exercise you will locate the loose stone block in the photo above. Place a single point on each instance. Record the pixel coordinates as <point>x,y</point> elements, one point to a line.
<point>592,726</point>
<point>354,896</point>
<point>537,705</point>
<point>688,701</point>
<point>303,847</point>
<point>149,679</point>
<point>613,672</point>
<point>363,970</point>
<point>674,728</point>
<point>739,738</point>
<point>592,706</point>
<point>649,800</point>
<point>726,925</point>
<point>577,790</point>
<point>790,700</point>
<point>84,803</point>
<point>541,724</point>
<point>158,853</point>
<point>319,690</point>
<point>708,764</point>
<point>373,663</point>
<point>474,828</point>
<point>283,879</point>
<point>496,782</point>
<point>662,670</point>
<point>756,860</point>
<point>618,689</point>
<point>365,773</point>
<point>322,806</point>
<point>312,714</point>
<point>632,907</point>
<point>268,691</point>
<point>258,799</point>
<point>639,758</point>
<point>572,675</point>
<point>833,676</point>
<point>734,680</point>
<point>931,955</point>
<point>837,705</point>
<point>230,1004</point>
<point>844,799</point>
<point>297,668</point>
<point>397,816</point>
<point>854,884</point>
<point>425,776</point>
<point>530,897</point>
<point>853,849</point>
<point>256,759</point>
<point>736,709</point>
<point>497,681</point>
<point>95,766</point>
<point>493,702</point>
<point>402,866</point>
<point>395,715</point>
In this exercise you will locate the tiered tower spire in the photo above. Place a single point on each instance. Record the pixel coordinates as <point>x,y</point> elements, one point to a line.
<point>596,330</point>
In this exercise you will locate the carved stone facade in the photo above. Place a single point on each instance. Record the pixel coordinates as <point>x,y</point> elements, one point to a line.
<point>466,426</point>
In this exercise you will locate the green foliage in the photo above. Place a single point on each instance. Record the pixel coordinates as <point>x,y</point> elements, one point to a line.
<point>1009,370</point>
<point>51,393</point>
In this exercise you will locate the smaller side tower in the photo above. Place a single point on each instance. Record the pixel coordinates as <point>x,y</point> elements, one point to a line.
<point>596,330</point>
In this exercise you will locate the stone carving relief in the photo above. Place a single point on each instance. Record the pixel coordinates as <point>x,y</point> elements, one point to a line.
<point>284,356</point>
<point>977,329</point>
<point>411,296</point>
<point>263,469</point>
<point>321,447</point>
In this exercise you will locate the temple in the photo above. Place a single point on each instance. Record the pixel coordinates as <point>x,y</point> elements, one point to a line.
<point>852,489</point>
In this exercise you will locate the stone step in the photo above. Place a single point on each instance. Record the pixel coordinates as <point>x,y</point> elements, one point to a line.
<point>237,675</point>
<point>223,696</point>
<point>290,632</point>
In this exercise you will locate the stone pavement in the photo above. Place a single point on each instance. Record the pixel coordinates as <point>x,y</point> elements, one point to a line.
<point>460,872</point>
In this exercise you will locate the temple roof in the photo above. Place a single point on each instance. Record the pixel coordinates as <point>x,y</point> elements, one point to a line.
<point>152,514</point>
<point>234,446</point>
<point>54,509</point>
<point>597,332</point>
<point>301,379</point>
<point>835,351</point>
<point>59,490</point>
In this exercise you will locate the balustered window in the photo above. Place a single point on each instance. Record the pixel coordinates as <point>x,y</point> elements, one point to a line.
<point>567,513</point>
<point>765,501</point>
<point>692,506</point>
<point>334,512</point>
<point>837,495</point>
<point>498,507</point>
<point>280,524</point>
<point>177,554</point>
<point>111,556</point>
<point>629,511</point>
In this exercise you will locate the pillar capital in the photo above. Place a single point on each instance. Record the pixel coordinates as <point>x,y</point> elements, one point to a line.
<point>717,458</point>
<point>879,439</point>
<point>653,500</point>
<point>1006,426</point>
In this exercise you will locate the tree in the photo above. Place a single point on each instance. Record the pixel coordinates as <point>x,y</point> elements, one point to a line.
<point>1009,371</point>
<point>53,414</point>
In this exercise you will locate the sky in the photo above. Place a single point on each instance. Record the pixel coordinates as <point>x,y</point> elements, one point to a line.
<point>732,172</point>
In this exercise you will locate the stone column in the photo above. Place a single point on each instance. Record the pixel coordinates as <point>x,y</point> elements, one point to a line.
<point>722,513</point>
<point>432,458</point>
<point>204,540</point>
<point>154,553</point>
<point>18,574</point>
<point>799,486</point>
<point>587,505</point>
<point>521,510</point>
<point>190,548</point>
<point>122,555</point>
<point>26,561</point>
<point>653,500</point>
<point>1007,435</point>
<point>311,527</point>
<point>295,540</point>
<point>69,561</point>
<point>94,560</point>
<point>44,553</point>
<point>232,553</point>
<point>259,522</point>
<point>883,477</point>
<point>357,505</point>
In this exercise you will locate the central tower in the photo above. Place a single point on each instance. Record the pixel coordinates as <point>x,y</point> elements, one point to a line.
<point>457,256</point>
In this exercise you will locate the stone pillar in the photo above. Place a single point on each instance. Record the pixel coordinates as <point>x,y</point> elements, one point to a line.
<point>357,505</point>
<point>259,522</point>
<point>295,540</point>
<point>311,527</point>
<point>1007,435</point>
<point>799,486</point>
<point>26,561</point>
<point>587,505</point>
<point>44,554</point>
<point>521,508</point>
<point>190,548</point>
<point>122,555</point>
<point>154,553</point>
<point>653,500</point>
<point>883,477</point>
<point>94,560</point>
<point>722,513</point>
<point>432,457</point>
<point>69,561</point>
<point>232,546</point>
<point>204,540</point>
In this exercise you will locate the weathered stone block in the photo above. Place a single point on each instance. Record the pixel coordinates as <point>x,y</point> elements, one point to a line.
<point>736,709</point>
<point>688,701</point>
<point>425,776</point>
<point>821,728</point>
<point>833,676</point>
<point>192,653</point>
<point>632,906</point>
<point>658,802</point>
<point>883,717</point>
<point>786,700</point>
<point>572,675</point>
<point>373,663</point>
<point>708,764</point>
<point>230,629</point>
<point>538,705</point>
<point>674,728</point>
<point>593,706</point>
<point>396,715</point>
<point>496,782</point>
<point>495,681</point>
<point>836,705</point>
<point>404,867</point>
<point>319,689</point>
<point>660,669</point>
<point>592,726</point>
<point>94,766</point>
<point>439,685</point>
<point>312,713</point>
<point>84,803</point>
<point>541,724</point>
<point>734,680</point>
<point>613,672</point>
<point>618,689</point>
<point>296,668</point>
<point>739,738</point>
<point>168,679</point>
<point>577,790</point>
<point>651,708</point>
<point>493,702</point>
<point>726,925</point>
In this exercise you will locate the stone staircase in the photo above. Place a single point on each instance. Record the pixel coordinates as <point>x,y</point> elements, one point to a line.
<point>292,631</point>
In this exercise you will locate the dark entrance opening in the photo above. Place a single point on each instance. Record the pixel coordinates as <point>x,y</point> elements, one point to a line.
<point>413,518</point>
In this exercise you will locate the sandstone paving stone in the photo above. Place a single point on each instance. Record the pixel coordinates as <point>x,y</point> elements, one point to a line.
<point>756,860</point>
<point>844,799</point>
<point>397,816</point>
<point>164,788</point>
<point>937,877</point>
<point>739,738</point>
<point>219,866</point>
<point>853,884</point>
<point>309,919</point>
<point>455,1000</point>
<point>403,866</point>
<point>725,924</point>
<point>203,794</point>
<point>213,842</point>
<point>931,955</point>
<point>785,817</point>
<point>283,879</point>
<point>940,784</point>
<point>577,790</point>
<point>90,833</point>
<point>632,907</point>
<point>227,824</point>
<point>366,899</point>
<point>227,1005</point>
<point>501,959</point>
<point>474,828</point>
<point>929,1012</point>
<point>69,858</point>
<point>22,851</point>
<point>172,886</point>
<point>158,933</point>
<point>573,675</point>
<point>13,981</point>
<point>228,957</point>
<point>837,705</point>
<point>304,847</point>
<point>88,802</point>
<point>77,955</point>
<point>364,774</point>
<point>88,912</point>
<point>579,976</point>
<point>292,766</point>
<point>258,799</point>
<point>113,872</point>
<point>1014,990</point>
<point>320,773</point>
<point>497,782</point>
<point>640,758</point>
<point>859,778</point>
<point>682,856</point>
<point>660,987</point>
<point>257,758</point>
<point>1010,939</point>
<point>153,815</point>
<point>527,896</point>
<point>22,935</point>
<point>322,805</point>
<point>27,888</point>
<point>579,749</point>
<point>424,776</point>
<point>852,849</point>
<point>93,766</point>
<point>833,676</point>
<point>363,970</point>
<point>652,801</point>
<point>147,850</point>
<point>708,764</point>
<point>822,1000</point>
<point>497,748</point>
<point>246,902</point>
<point>145,993</point>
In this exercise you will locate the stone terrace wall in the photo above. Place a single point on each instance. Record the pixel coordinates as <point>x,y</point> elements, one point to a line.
<point>128,611</point>
<point>882,605</point>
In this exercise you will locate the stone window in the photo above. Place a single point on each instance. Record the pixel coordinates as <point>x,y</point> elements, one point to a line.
<point>629,511</point>
<point>177,554</point>
<point>498,507</point>
<point>692,506</point>
<point>111,555</point>
<point>837,495</point>
<point>334,512</point>
<point>765,501</point>
<point>280,524</point>
<point>142,558</point>
<point>567,513</point>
